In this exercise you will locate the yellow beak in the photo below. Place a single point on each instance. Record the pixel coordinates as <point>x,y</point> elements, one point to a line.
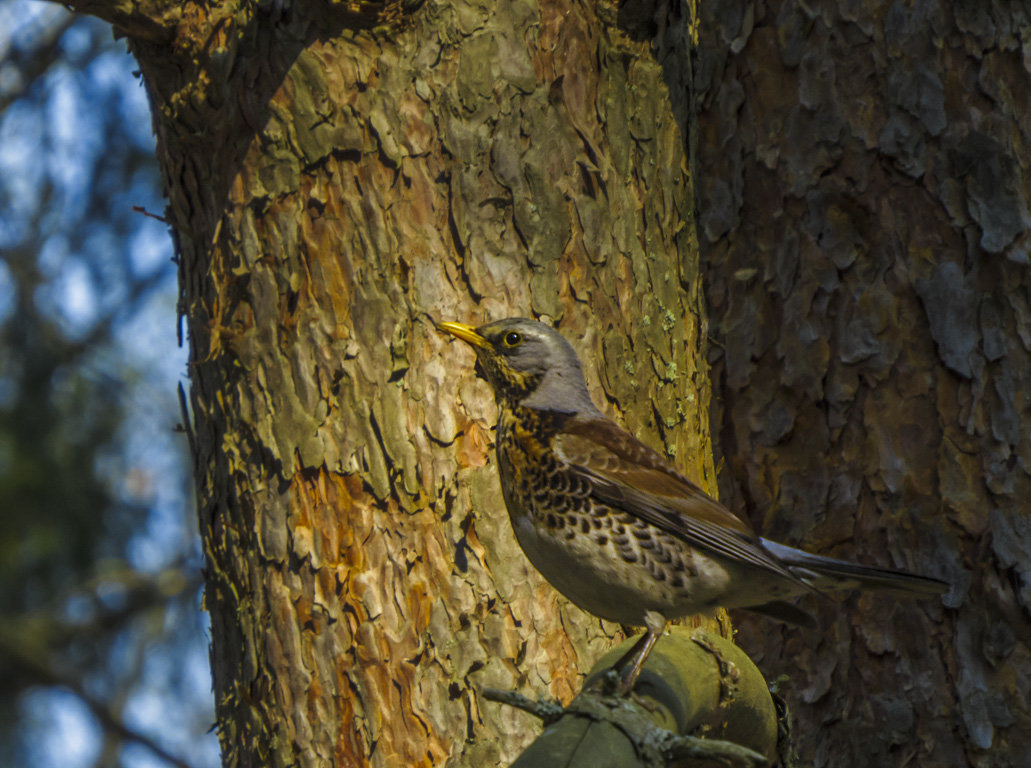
<point>464,332</point>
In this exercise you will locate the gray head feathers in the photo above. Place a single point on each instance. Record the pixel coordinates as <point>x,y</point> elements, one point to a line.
<point>534,366</point>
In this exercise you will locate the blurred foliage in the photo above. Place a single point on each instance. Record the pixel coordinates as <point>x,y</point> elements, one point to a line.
<point>102,647</point>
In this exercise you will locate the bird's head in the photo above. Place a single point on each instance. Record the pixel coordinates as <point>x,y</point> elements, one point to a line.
<point>527,363</point>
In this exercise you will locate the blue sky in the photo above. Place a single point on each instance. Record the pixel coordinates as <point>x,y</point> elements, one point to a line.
<point>50,140</point>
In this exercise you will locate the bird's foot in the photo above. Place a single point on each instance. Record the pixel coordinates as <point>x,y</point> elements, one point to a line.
<point>629,667</point>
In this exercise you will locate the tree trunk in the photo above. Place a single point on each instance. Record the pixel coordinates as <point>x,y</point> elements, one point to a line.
<point>335,188</point>
<point>864,191</point>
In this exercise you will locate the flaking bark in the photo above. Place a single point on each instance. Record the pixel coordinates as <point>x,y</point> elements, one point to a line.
<point>333,188</point>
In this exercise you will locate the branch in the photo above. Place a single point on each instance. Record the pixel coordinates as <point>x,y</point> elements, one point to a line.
<point>154,21</point>
<point>546,710</point>
<point>694,682</point>
<point>45,674</point>
<point>36,58</point>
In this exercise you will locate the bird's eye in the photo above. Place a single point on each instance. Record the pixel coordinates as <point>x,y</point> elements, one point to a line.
<point>513,339</point>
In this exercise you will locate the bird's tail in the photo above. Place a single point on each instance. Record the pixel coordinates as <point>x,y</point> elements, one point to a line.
<point>827,573</point>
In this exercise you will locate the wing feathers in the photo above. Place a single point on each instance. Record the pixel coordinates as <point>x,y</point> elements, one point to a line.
<point>715,538</point>
<point>624,473</point>
<point>603,448</point>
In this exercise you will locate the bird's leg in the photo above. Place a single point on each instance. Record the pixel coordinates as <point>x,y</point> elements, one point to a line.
<point>629,667</point>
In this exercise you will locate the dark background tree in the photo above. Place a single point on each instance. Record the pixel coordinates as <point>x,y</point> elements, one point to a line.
<point>864,211</point>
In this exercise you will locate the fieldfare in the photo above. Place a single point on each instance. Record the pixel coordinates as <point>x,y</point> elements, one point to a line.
<point>612,524</point>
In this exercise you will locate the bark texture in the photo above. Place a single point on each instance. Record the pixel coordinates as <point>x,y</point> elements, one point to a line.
<point>864,187</point>
<point>334,188</point>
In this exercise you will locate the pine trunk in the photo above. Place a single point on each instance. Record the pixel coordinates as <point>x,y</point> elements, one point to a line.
<point>335,188</point>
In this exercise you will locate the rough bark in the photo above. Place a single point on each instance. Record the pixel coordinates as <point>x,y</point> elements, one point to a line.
<point>864,193</point>
<point>333,188</point>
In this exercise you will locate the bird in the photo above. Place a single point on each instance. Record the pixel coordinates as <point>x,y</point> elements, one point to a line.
<point>617,528</point>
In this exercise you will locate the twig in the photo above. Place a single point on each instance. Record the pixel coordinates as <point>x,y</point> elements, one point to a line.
<point>145,212</point>
<point>109,721</point>
<point>547,710</point>
<point>717,750</point>
<point>187,425</point>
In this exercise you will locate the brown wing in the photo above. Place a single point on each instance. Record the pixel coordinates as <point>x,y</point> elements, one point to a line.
<point>626,474</point>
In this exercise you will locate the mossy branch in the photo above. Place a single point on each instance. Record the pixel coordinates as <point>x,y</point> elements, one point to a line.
<point>699,701</point>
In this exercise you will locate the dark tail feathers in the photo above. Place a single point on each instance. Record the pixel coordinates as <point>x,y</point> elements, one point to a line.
<point>826,573</point>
